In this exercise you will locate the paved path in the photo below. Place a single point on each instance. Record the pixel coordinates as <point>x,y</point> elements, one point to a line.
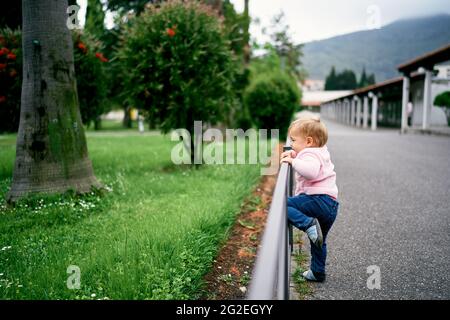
<point>395,214</point>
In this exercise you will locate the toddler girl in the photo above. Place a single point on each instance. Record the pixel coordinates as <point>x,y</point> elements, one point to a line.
<point>314,207</point>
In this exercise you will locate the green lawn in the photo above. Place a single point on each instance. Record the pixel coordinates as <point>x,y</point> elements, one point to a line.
<point>153,236</point>
<point>115,125</point>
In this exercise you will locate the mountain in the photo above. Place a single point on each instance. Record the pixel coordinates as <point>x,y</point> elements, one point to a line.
<point>379,50</point>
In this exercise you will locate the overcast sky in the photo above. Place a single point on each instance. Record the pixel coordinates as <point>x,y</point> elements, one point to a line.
<point>319,19</point>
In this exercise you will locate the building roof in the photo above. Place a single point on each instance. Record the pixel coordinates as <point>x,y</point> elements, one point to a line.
<point>316,98</point>
<point>398,81</point>
<point>427,60</point>
<point>379,85</point>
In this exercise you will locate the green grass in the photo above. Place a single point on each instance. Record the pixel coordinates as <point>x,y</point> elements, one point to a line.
<point>153,236</point>
<point>115,125</point>
<point>302,287</point>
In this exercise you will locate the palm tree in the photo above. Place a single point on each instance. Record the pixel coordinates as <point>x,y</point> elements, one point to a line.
<point>51,151</point>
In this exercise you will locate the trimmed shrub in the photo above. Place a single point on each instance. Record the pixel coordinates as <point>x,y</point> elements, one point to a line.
<point>178,65</point>
<point>271,100</point>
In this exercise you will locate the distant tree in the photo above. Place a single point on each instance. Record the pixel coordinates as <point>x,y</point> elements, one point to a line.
<point>363,81</point>
<point>366,80</point>
<point>345,80</point>
<point>330,82</point>
<point>289,52</point>
<point>371,79</point>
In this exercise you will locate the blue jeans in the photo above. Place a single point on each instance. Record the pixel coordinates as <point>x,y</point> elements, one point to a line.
<point>302,209</point>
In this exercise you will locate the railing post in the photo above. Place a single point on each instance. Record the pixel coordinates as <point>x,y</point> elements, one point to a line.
<point>289,234</point>
<point>271,274</point>
<point>290,192</point>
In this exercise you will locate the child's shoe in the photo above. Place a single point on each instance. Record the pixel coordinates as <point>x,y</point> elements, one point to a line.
<point>314,276</point>
<point>314,233</point>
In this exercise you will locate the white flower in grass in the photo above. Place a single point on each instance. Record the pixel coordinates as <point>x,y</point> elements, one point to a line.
<point>93,295</point>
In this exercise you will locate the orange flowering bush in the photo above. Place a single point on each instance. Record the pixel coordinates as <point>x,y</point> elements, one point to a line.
<point>177,64</point>
<point>10,79</point>
<point>90,70</point>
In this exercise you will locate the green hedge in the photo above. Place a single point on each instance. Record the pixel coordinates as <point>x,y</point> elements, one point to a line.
<point>271,100</point>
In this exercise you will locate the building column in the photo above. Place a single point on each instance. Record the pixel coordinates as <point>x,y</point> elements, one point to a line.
<point>358,111</point>
<point>353,113</point>
<point>405,100</point>
<point>426,100</point>
<point>350,111</point>
<point>374,120</point>
<point>344,111</point>
<point>347,111</point>
<point>335,109</point>
<point>365,112</point>
<point>339,111</point>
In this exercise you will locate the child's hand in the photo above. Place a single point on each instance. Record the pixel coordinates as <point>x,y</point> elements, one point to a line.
<point>287,159</point>
<point>290,153</point>
<point>288,156</point>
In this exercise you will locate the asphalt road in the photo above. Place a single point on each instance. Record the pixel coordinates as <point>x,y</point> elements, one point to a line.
<point>394,194</point>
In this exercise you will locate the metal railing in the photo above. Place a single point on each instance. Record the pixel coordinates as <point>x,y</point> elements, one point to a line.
<point>271,274</point>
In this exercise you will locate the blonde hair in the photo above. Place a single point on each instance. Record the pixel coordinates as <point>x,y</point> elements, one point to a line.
<point>310,127</point>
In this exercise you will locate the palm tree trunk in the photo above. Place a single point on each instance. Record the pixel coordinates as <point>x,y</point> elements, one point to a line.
<point>51,152</point>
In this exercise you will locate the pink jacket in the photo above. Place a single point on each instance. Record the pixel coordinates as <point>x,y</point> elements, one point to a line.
<point>314,172</point>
